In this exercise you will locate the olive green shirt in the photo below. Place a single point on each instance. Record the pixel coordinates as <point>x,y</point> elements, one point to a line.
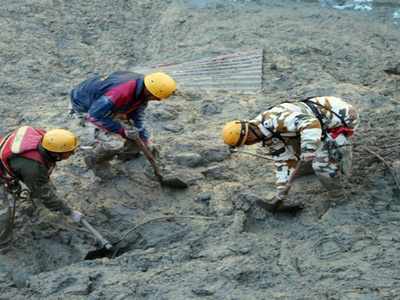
<point>36,176</point>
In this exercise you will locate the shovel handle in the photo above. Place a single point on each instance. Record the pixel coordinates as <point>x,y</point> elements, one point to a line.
<point>291,178</point>
<point>149,156</point>
<point>252,154</point>
<point>104,243</point>
<point>9,226</point>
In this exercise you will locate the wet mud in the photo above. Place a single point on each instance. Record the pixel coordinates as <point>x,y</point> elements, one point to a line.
<point>212,240</point>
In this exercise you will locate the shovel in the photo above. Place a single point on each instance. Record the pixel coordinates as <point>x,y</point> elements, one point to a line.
<point>9,215</point>
<point>106,248</point>
<point>234,150</point>
<point>13,192</point>
<point>278,205</point>
<point>168,180</point>
<point>292,177</point>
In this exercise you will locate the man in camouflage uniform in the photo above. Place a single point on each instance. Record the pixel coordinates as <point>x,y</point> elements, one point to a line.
<point>315,130</point>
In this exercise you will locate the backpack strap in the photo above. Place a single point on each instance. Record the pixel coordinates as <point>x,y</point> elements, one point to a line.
<point>311,105</point>
<point>260,137</point>
<point>3,140</point>
<point>273,133</point>
<point>4,174</point>
<point>243,133</point>
<point>317,114</point>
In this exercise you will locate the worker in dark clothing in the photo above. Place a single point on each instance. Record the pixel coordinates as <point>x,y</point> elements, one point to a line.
<point>106,102</point>
<point>29,155</point>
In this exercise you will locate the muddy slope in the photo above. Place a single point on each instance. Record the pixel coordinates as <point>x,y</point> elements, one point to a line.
<point>213,240</point>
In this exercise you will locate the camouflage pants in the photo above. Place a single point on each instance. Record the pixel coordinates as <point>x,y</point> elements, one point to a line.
<point>332,161</point>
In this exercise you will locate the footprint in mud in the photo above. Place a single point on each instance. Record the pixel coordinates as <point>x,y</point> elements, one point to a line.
<point>360,295</point>
<point>368,248</point>
<point>335,247</point>
<point>329,248</point>
<point>363,243</point>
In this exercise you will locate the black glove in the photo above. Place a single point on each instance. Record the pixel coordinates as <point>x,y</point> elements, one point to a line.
<point>13,186</point>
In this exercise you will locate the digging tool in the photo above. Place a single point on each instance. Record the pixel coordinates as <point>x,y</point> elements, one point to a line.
<point>168,180</point>
<point>9,214</point>
<point>233,150</point>
<point>13,192</point>
<point>275,206</point>
<point>173,181</point>
<point>150,157</point>
<point>106,247</point>
<point>292,178</point>
<point>278,205</point>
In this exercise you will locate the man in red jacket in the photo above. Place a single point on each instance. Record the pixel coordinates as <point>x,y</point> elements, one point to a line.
<point>105,101</point>
<point>29,155</point>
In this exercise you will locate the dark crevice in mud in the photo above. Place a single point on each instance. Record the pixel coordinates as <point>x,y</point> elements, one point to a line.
<point>103,252</point>
<point>117,249</point>
<point>151,235</point>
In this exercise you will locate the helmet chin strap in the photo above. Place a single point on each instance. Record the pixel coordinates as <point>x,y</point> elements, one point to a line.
<point>244,132</point>
<point>55,156</point>
<point>262,138</point>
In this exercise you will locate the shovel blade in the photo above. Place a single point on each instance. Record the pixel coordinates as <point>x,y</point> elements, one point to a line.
<point>99,253</point>
<point>173,182</point>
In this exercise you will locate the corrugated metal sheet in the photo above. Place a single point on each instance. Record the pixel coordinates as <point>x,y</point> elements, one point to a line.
<point>238,72</point>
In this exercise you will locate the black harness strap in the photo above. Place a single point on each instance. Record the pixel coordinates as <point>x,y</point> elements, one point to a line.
<point>264,139</point>
<point>255,132</point>
<point>273,133</point>
<point>261,138</point>
<point>317,115</point>
<point>311,105</point>
<point>242,133</point>
<point>3,170</point>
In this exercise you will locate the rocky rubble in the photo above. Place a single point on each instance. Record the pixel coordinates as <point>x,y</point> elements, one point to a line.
<point>213,240</point>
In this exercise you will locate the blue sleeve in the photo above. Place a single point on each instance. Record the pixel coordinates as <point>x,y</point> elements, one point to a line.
<point>137,117</point>
<point>100,114</point>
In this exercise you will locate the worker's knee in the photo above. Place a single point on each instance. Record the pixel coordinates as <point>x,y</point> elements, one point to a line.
<point>324,167</point>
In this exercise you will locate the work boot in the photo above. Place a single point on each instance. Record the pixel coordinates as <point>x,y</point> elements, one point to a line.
<point>101,170</point>
<point>99,163</point>
<point>129,151</point>
<point>126,156</point>
<point>90,161</point>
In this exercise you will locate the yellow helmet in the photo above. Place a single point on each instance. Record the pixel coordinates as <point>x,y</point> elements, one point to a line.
<point>60,141</point>
<point>235,133</point>
<point>160,84</point>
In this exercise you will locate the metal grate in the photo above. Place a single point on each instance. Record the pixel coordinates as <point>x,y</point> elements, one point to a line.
<point>238,72</point>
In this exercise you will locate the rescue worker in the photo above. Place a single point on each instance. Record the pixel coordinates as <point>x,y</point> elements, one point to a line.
<point>29,155</point>
<point>106,103</point>
<point>315,130</point>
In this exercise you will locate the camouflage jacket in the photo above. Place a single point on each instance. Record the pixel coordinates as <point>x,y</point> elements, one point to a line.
<point>289,121</point>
